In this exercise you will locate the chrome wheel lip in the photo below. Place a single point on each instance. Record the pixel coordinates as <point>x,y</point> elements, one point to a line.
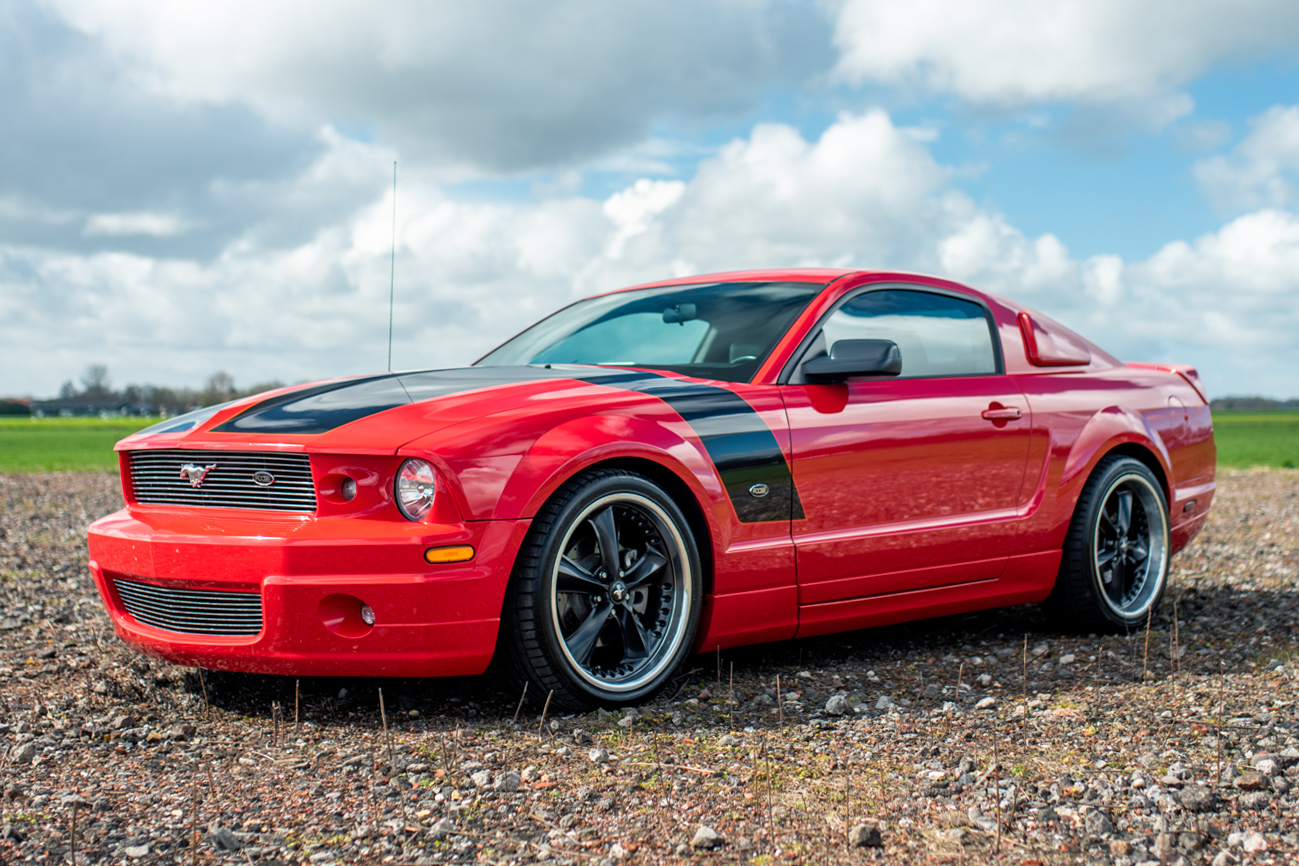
<point>664,654</point>
<point>1145,591</point>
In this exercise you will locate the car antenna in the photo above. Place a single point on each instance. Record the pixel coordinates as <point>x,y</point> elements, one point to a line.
<point>392,266</point>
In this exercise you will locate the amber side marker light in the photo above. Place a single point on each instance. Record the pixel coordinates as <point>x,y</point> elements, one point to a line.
<point>459,553</point>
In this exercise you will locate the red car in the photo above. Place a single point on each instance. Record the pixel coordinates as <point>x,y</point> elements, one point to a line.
<point>672,468</point>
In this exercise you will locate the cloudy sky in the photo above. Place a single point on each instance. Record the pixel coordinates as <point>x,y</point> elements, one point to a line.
<point>193,187</point>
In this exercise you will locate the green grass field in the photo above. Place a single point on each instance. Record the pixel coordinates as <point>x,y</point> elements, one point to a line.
<point>59,444</point>
<point>1257,439</point>
<point>63,444</point>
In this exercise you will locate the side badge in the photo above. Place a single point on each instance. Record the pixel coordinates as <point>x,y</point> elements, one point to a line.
<point>262,478</point>
<point>759,490</point>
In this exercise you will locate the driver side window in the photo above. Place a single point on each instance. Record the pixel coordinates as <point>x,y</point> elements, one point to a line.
<point>937,335</point>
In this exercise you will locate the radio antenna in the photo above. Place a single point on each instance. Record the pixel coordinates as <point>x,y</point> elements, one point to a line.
<point>392,266</point>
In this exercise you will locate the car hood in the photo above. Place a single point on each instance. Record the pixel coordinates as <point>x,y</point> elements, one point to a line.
<point>379,414</point>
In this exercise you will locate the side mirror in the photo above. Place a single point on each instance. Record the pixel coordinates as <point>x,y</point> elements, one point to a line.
<point>849,358</point>
<point>680,313</point>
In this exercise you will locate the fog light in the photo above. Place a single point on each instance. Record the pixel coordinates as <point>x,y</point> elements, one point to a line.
<point>367,614</point>
<point>349,489</point>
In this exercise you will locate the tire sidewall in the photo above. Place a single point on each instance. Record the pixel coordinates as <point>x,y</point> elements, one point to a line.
<point>1111,477</point>
<point>551,548</point>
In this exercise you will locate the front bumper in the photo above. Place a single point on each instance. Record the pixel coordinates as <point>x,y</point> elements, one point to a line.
<point>430,620</point>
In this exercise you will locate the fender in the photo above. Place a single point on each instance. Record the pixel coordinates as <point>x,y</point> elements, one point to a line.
<point>553,459</point>
<point>1103,432</point>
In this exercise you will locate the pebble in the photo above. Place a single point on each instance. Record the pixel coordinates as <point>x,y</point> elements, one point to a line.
<point>598,755</point>
<point>481,779</point>
<point>24,754</point>
<point>507,782</point>
<point>706,838</point>
<point>986,704</point>
<point>865,835</point>
<point>1098,823</point>
<point>135,852</point>
<point>837,705</point>
<point>727,740</point>
<point>1196,798</point>
<point>1250,782</point>
<point>1254,843</point>
<point>884,702</point>
<point>223,838</point>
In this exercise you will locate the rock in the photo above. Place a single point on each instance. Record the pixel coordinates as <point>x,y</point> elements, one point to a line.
<point>1067,659</point>
<point>182,732</point>
<point>24,754</point>
<point>481,779</point>
<point>605,804</point>
<point>1266,766</point>
<point>1196,798</point>
<point>122,723</point>
<point>986,703</point>
<point>441,828</point>
<point>530,774</point>
<point>1250,782</point>
<point>727,740</point>
<point>1254,843</point>
<point>884,702</point>
<point>153,737</point>
<point>706,838</point>
<point>837,705</point>
<point>984,680</point>
<point>865,835</point>
<point>223,838</point>
<point>1289,756</point>
<point>932,691</point>
<point>135,852</point>
<point>581,737</point>
<point>507,782</point>
<point>598,755</point>
<point>1098,823</point>
<point>1254,800</point>
<point>10,832</point>
<point>1223,859</point>
<point>563,752</point>
<point>1120,847</point>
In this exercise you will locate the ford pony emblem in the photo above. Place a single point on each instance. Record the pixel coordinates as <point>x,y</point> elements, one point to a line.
<point>195,473</point>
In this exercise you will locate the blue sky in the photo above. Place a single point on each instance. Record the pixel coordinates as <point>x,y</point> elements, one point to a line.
<point>186,188</point>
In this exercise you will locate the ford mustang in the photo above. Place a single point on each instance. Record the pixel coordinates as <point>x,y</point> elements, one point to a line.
<point>678,467</point>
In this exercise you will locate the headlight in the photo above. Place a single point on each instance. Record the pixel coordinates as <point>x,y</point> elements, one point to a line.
<point>416,485</point>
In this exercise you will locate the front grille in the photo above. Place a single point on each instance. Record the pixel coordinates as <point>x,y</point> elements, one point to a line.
<point>192,611</point>
<point>156,477</point>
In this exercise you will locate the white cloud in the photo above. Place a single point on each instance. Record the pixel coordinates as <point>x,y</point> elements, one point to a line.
<point>866,193</point>
<point>1260,170</point>
<point>492,83</point>
<point>158,225</point>
<point>1015,52</point>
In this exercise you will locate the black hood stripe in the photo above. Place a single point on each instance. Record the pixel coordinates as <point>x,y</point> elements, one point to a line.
<point>737,440</point>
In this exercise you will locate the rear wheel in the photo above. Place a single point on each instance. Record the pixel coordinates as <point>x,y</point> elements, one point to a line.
<point>604,601</point>
<point>1115,564</point>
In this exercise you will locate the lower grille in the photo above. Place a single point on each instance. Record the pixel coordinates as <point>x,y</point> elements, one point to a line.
<point>192,611</point>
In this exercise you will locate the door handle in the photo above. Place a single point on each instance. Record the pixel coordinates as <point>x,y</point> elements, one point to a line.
<point>1001,413</point>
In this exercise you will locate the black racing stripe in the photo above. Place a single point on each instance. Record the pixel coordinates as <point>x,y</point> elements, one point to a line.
<point>324,407</point>
<point>739,443</point>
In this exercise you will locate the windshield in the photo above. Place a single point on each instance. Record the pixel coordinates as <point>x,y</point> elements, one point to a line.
<point>713,331</point>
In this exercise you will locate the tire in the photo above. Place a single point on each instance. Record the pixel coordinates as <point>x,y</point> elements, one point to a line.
<point>1115,565</point>
<point>602,624</point>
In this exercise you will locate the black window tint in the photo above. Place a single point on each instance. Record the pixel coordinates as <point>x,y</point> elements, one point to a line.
<point>938,335</point>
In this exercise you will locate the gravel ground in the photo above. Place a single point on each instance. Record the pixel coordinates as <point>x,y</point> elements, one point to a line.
<point>986,738</point>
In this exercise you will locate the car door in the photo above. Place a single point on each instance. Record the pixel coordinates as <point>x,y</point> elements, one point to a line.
<point>906,481</point>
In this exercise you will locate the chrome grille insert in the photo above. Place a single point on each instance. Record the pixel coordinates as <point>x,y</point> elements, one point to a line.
<point>237,479</point>
<point>192,611</point>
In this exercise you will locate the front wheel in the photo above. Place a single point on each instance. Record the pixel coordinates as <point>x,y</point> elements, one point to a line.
<point>1115,564</point>
<point>604,601</point>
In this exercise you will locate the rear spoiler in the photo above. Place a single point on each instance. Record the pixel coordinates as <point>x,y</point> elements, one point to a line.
<point>1186,371</point>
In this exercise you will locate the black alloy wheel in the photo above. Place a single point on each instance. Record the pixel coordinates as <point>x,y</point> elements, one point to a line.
<point>605,600</point>
<point>1116,554</point>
